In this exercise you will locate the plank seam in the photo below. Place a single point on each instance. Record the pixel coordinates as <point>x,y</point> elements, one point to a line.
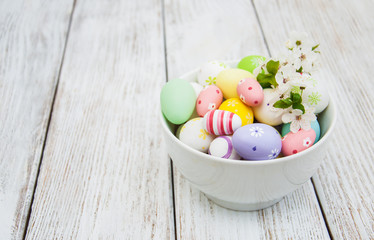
<point>167,78</point>
<point>261,28</point>
<point>322,210</point>
<point>49,120</point>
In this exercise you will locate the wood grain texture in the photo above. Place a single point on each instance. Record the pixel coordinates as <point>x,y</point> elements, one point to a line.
<point>32,39</point>
<point>345,30</point>
<point>105,174</point>
<point>196,32</point>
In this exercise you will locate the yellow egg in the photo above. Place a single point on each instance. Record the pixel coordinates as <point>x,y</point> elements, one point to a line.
<point>227,80</point>
<point>235,105</point>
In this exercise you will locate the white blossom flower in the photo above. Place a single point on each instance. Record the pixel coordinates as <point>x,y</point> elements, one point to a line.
<point>297,40</point>
<point>298,119</point>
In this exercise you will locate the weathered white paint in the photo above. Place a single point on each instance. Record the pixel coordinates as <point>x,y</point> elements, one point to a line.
<point>345,30</point>
<point>32,38</point>
<point>105,173</point>
<point>199,31</point>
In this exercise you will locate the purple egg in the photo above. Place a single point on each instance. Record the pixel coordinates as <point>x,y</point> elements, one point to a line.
<point>257,141</point>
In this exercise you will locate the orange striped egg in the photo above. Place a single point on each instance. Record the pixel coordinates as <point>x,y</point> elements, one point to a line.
<point>220,122</point>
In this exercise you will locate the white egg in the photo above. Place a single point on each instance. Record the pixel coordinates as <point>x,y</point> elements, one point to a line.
<point>222,147</point>
<point>266,113</point>
<point>208,72</point>
<point>193,134</point>
<point>316,95</point>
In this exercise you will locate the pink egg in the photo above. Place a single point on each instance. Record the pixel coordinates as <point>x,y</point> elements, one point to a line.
<point>209,98</point>
<point>220,122</point>
<point>250,92</point>
<point>296,142</point>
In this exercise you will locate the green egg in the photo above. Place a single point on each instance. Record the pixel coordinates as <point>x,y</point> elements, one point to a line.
<point>249,63</point>
<point>178,100</point>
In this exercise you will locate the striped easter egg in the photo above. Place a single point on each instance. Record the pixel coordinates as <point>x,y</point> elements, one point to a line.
<point>220,122</point>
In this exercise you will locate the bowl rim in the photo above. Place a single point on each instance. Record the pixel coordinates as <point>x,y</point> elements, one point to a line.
<point>252,162</point>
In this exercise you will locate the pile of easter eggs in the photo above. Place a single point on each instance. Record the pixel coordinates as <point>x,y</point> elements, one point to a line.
<point>226,113</point>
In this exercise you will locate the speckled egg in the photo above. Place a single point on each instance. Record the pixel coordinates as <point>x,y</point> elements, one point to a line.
<point>316,95</point>
<point>265,112</point>
<point>193,134</point>
<point>250,92</point>
<point>207,74</point>
<point>257,141</point>
<point>314,124</point>
<point>210,98</point>
<point>251,62</point>
<point>293,143</point>
<point>236,106</point>
<point>219,122</point>
<point>228,79</point>
<point>222,147</point>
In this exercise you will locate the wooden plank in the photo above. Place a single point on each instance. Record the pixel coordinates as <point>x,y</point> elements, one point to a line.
<point>105,174</point>
<point>196,32</point>
<point>344,183</point>
<point>32,39</point>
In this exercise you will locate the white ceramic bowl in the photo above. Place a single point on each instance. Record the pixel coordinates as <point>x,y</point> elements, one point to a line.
<point>247,185</point>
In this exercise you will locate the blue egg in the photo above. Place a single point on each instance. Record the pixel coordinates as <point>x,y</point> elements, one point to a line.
<point>315,127</point>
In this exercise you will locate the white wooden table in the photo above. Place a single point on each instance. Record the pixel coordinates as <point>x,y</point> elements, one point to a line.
<point>81,151</point>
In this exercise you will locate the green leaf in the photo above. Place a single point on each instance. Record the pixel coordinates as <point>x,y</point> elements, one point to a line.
<point>296,97</point>
<point>298,106</point>
<point>283,103</point>
<point>266,80</point>
<point>272,67</point>
<point>300,70</point>
<point>316,46</point>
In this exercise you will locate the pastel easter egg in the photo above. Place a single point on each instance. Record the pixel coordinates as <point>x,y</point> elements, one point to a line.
<point>251,62</point>
<point>265,112</point>
<point>209,99</point>
<point>177,100</point>
<point>222,147</point>
<point>197,87</point>
<point>314,124</point>
<point>236,106</point>
<point>228,79</point>
<point>208,72</point>
<point>316,95</point>
<point>219,122</point>
<point>257,141</point>
<point>250,92</point>
<point>293,143</point>
<point>194,135</point>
